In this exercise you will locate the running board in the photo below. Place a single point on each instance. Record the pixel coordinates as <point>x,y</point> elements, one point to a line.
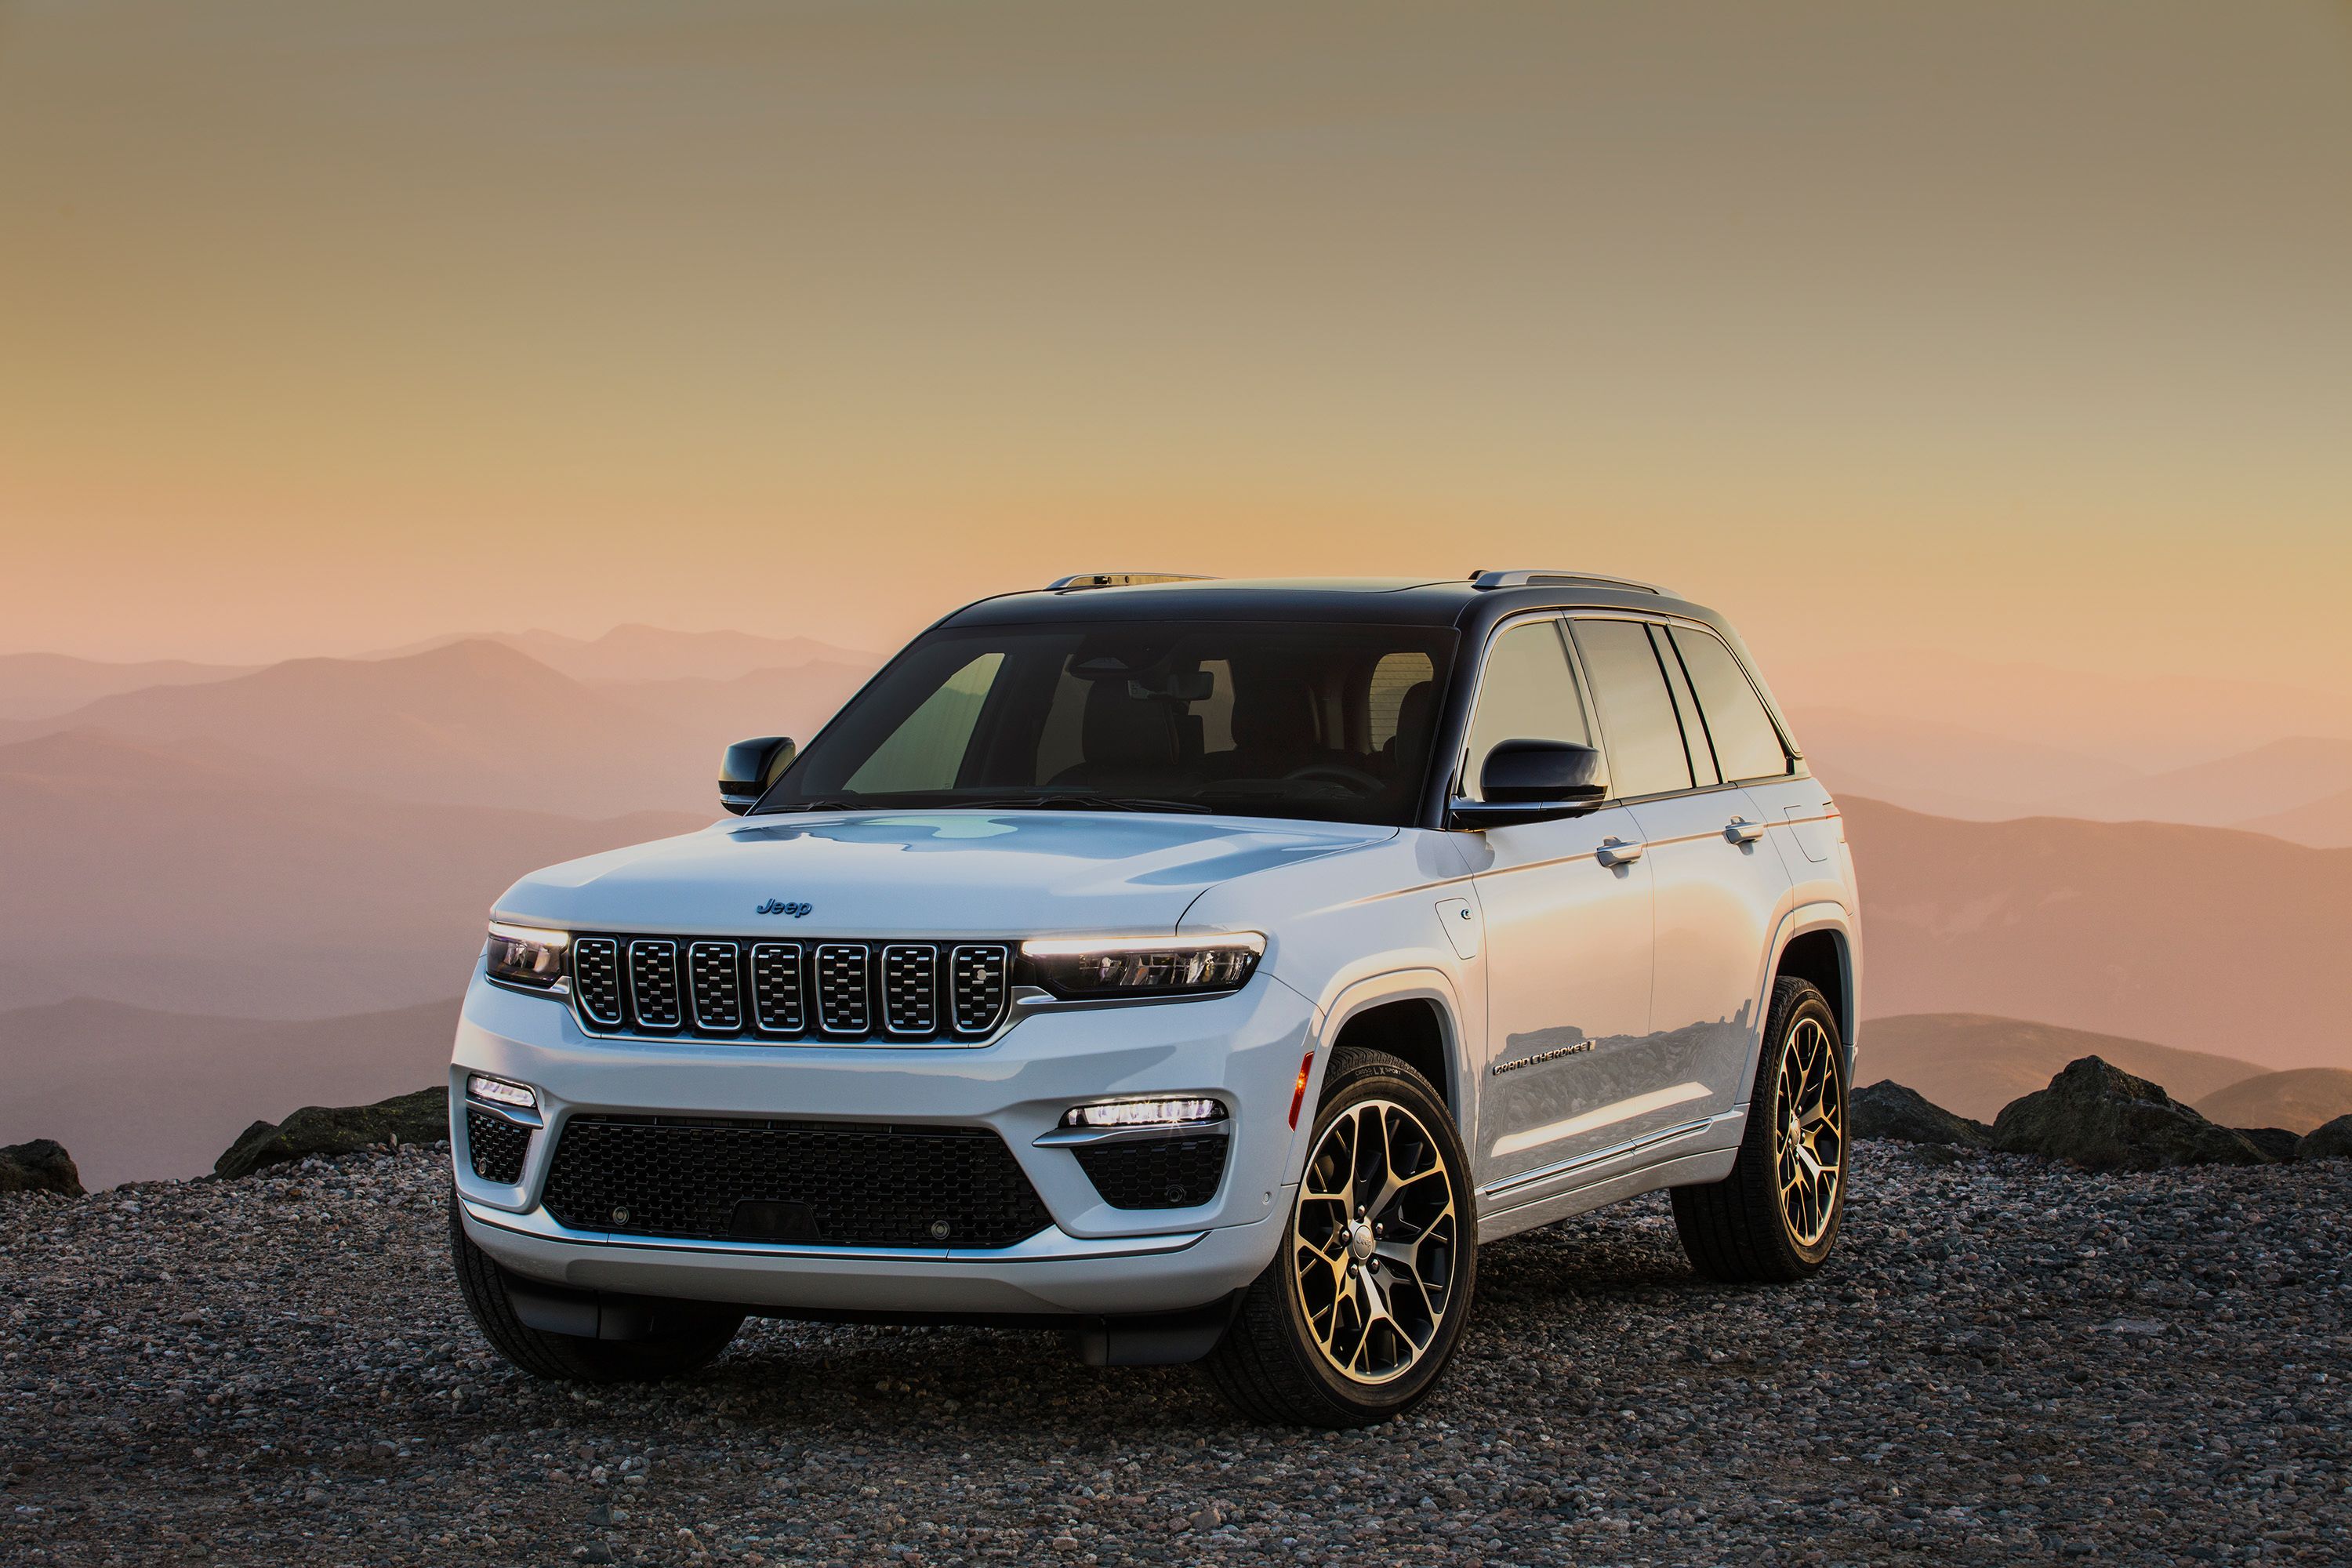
<point>1513,1187</point>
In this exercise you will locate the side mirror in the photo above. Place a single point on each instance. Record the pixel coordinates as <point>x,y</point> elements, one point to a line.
<point>1531,781</point>
<point>749,767</point>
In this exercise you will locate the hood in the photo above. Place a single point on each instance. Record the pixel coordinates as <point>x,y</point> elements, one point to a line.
<point>921,873</point>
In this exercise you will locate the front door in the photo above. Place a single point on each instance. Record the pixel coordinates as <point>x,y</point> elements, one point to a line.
<point>1568,938</point>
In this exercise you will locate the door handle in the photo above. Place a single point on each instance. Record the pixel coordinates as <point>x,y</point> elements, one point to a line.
<point>1740,830</point>
<point>1617,852</point>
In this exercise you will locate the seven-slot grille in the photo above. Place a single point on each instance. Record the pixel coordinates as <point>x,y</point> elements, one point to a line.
<point>725,989</point>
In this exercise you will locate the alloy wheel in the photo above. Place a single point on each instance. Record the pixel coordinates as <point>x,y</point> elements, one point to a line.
<point>1810,1145</point>
<point>1373,1241</point>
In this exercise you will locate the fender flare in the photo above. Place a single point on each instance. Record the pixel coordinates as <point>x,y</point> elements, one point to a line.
<point>1820,914</point>
<point>1357,996</point>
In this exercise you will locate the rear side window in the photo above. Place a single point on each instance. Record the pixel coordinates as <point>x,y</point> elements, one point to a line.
<point>1527,693</point>
<point>1747,746</point>
<point>1637,712</point>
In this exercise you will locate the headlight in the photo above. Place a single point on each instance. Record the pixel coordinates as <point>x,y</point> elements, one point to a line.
<point>1083,966</point>
<point>527,956</point>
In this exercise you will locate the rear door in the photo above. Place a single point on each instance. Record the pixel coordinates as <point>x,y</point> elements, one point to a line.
<point>1566,931</point>
<point>1718,886</point>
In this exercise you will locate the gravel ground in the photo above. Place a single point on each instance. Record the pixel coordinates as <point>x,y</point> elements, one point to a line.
<point>2005,1362</point>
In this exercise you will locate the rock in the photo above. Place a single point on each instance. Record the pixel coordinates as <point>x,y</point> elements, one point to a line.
<point>2331,1140</point>
<point>2277,1142</point>
<point>1887,1110</point>
<point>419,1117</point>
<point>41,1166</point>
<point>2103,1118</point>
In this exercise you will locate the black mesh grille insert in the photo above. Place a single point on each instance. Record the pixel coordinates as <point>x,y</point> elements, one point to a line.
<point>495,1145</point>
<point>653,983</point>
<point>723,988</point>
<point>980,973</point>
<point>776,1004</point>
<point>1164,1173</point>
<point>837,1184</point>
<point>718,990</point>
<point>841,1006</point>
<point>596,978</point>
<point>910,988</point>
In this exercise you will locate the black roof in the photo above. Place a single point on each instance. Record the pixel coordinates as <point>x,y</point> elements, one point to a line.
<point>1406,601</point>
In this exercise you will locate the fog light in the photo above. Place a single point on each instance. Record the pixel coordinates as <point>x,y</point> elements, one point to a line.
<point>1144,1113</point>
<point>498,1092</point>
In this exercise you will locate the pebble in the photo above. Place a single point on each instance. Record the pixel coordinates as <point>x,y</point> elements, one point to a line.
<point>2006,1360</point>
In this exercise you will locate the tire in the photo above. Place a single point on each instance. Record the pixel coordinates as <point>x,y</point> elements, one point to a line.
<point>675,1348</point>
<point>1775,1218</point>
<point>1273,1364</point>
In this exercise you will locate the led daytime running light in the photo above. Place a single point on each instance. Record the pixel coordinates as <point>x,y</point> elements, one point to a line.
<point>498,1092</point>
<point>1144,1113</point>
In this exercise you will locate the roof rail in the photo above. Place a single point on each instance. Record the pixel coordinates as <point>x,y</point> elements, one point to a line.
<point>1119,580</point>
<point>1538,578</point>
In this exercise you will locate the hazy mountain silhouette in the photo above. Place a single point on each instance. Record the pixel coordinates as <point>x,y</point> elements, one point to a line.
<point>179,875</point>
<point>2266,783</point>
<point>1975,1063</point>
<point>2148,724</point>
<point>471,723</point>
<point>2325,824</point>
<point>1944,769</point>
<point>42,685</point>
<point>136,1093</point>
<point>2205,939</point>
<point>2299,1100</point>
<point>636,652</point>
<point>713,714</point>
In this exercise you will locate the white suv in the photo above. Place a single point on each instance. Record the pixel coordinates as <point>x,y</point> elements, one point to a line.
<point>1204,968</point>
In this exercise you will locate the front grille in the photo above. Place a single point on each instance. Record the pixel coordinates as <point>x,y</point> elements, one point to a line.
<point>720,988</point>
<point>1164,1173</point>
<point>495,1145</point>
<point>839,1184</point>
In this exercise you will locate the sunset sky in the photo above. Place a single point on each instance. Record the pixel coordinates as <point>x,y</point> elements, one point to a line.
<point>2021,329</point>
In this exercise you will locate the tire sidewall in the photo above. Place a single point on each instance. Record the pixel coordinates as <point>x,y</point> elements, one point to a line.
<point>1386,1078</point>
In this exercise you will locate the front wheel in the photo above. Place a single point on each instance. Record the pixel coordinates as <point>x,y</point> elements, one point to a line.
<point>1357,1314</point>
<point>1776,1216</point>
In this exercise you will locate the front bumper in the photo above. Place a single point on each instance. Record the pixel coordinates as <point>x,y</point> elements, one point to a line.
<point>1244,1049</point>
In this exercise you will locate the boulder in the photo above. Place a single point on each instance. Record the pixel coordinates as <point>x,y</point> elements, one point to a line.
<point>419,1117</point>
<point>2103,1118</point>
<point>1887,1110</point>
<point>2329,1140</point>
<point>2274,1142</point>
<point>41,1166</point>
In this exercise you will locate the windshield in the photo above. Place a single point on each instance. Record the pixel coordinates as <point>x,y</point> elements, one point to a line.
<point>1245,717</point>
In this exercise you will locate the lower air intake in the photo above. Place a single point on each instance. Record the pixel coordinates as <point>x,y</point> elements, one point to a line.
<point>494,1146</point>
<point>836,1183</point>
<point>1164,1173</point>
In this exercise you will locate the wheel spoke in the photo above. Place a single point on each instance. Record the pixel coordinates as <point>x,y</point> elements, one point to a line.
<point>1373,1239</point>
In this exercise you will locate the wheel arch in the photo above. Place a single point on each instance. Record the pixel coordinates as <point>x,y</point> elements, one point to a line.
<point>1815,941</point>
<point>1416,1009</point>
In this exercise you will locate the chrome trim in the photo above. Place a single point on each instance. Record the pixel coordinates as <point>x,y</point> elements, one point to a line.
<point>676,980</point>
<point>1148,1133</point>
<point>1051,1245</point>
<point>1004,952</point>
<point>1513,1185</point>
<point>800,1005</point>
<point>864,1030</point>
<point>516,1114</point>
<point>611,947</point>
<point>734,951</point>
<point>929,952</point>
<point>1541,577</point>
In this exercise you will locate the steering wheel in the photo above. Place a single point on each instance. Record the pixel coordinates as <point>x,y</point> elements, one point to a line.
<point>1356,779</point>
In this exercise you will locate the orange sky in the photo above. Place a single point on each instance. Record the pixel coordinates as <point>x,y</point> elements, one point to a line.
<point>2017,328</point>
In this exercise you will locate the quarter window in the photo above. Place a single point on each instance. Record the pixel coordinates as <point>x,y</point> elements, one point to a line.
<point>1747,745</point>
<point>1529,693</point>
<point>1637,713</point>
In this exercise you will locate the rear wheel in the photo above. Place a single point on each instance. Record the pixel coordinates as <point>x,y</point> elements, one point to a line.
<point>687,1339</point>
<point>1776,1216</point>
<point>1357,1314</point>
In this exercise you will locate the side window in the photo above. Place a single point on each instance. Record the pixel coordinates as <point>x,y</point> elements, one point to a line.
<point>1637,712</point>
<point>1701,760</point>
<point>1747,746</point>
<point>926,751</point>
<point>1527,693</point>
